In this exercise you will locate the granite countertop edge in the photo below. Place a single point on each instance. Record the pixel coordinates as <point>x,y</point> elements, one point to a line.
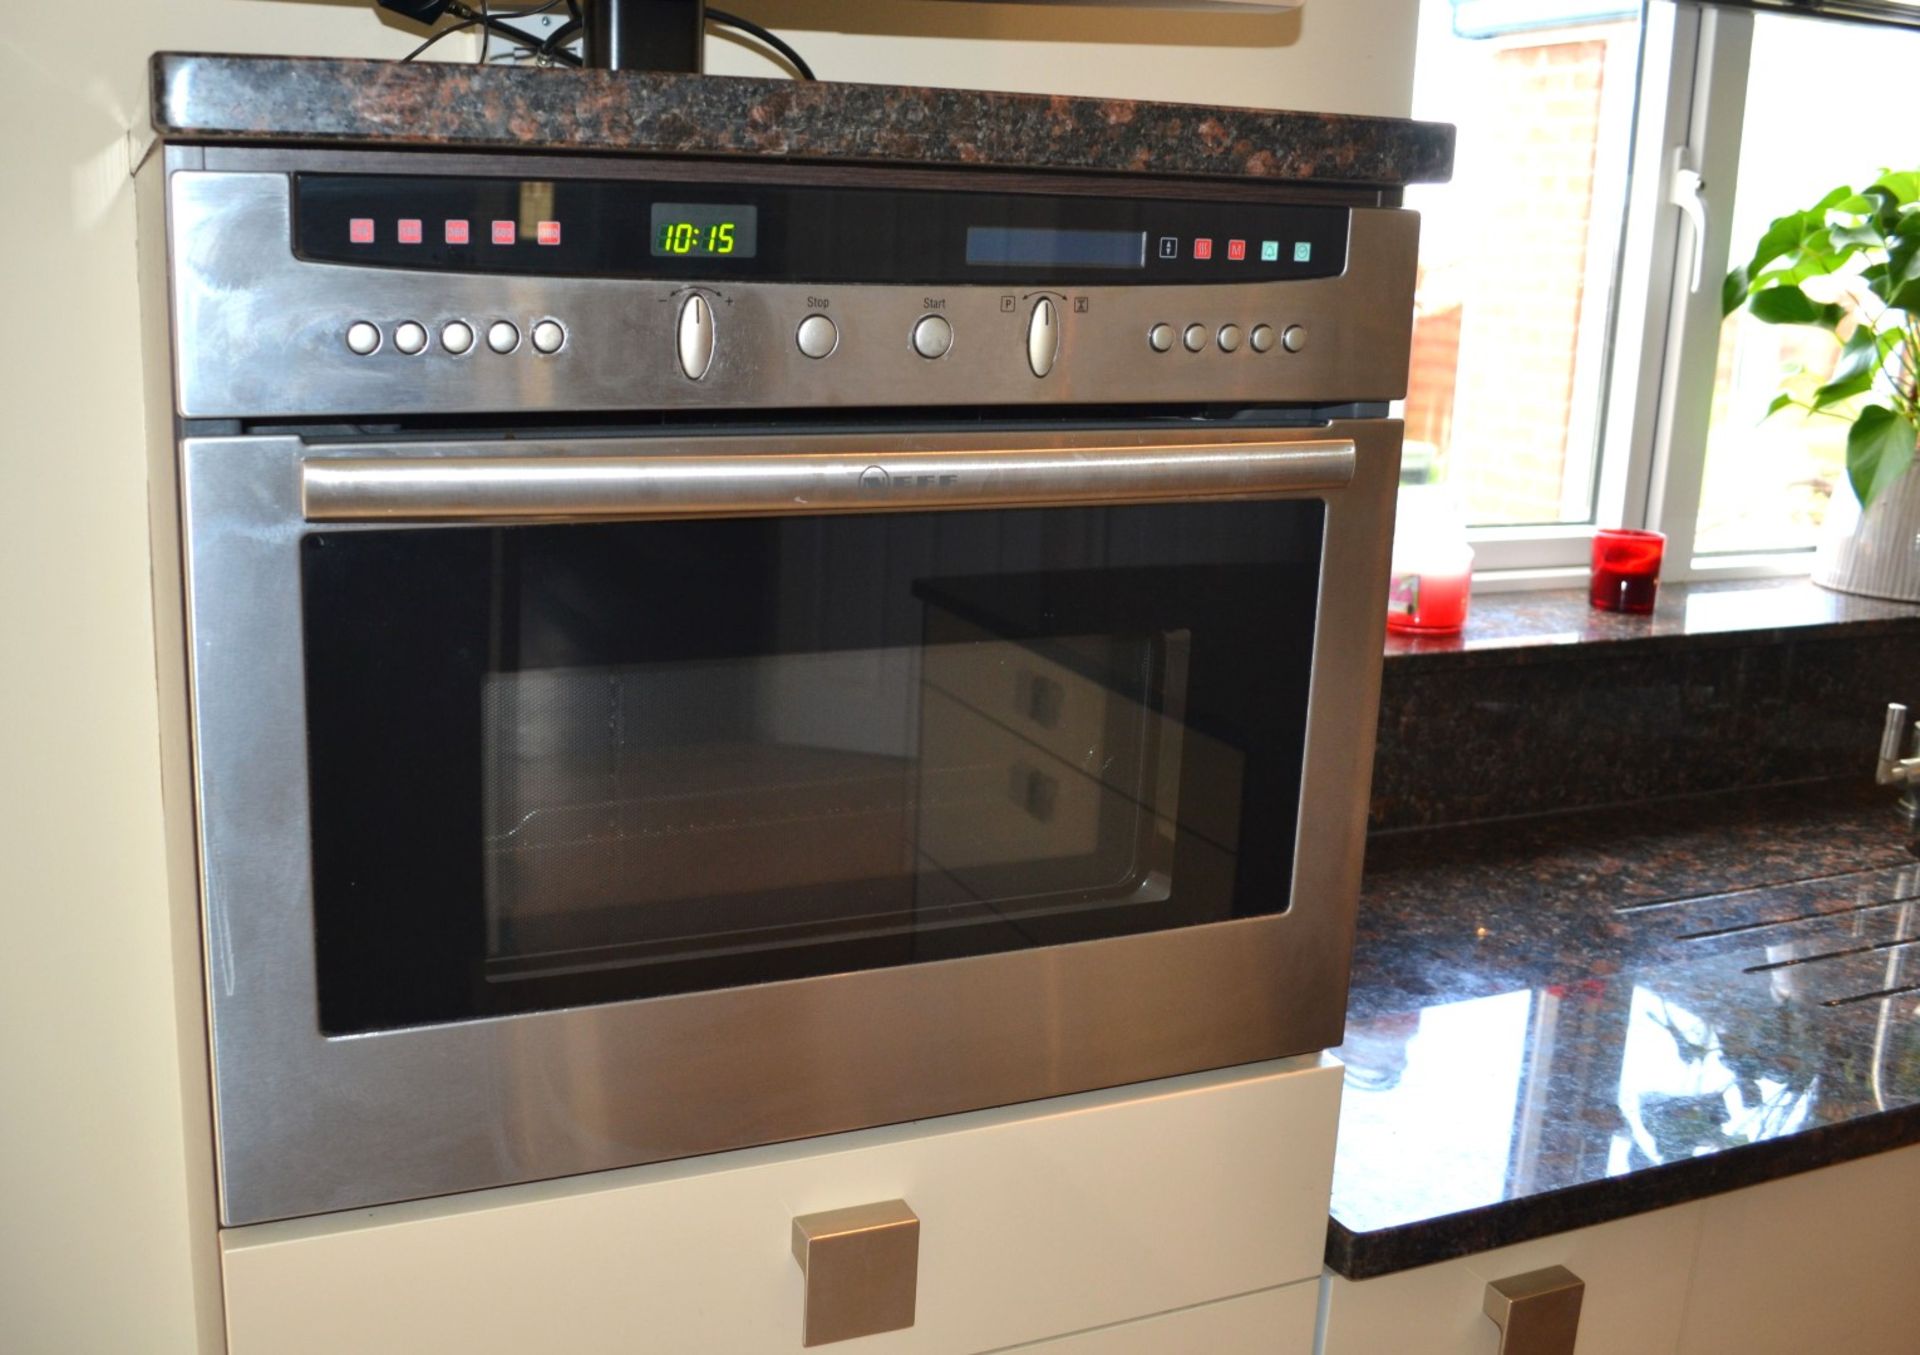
<point>337,101</point>
<point>1386,1251</point>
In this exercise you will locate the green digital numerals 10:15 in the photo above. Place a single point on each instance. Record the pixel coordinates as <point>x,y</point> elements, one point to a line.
<point>684,237</point>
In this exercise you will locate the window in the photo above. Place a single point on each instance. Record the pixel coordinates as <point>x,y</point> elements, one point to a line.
<point>1570,365</point>
<point>1768,481</point>
<point>1518,252</point>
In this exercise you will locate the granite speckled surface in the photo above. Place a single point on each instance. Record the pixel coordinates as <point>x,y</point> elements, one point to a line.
<point>1561,707</point>
<point>290,100</point>
<point>1566,1020</point>
<point>1538,627</point>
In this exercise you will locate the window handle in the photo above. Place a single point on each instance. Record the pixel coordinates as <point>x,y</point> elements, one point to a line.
<point>1688,191</point>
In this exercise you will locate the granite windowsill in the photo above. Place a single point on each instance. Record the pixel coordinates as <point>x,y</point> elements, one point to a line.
<point>1545,626</point>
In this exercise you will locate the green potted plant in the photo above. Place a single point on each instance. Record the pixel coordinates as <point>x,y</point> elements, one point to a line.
<point>1850,264</point>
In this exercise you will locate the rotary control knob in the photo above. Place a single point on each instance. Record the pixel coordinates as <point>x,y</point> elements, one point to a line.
<point>410,338</point>
<point>362,337</point>
<point>503,336</point>
<point>694,342</point>
<point>548,337</point>
<point>1043,336</point>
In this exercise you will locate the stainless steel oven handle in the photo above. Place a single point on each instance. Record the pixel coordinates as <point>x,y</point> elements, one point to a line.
<point>585,488</point>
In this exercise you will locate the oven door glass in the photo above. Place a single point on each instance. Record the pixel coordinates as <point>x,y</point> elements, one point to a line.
<point>560,765</point>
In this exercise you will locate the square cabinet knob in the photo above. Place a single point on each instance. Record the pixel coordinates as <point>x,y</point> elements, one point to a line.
<point>861,1268</point>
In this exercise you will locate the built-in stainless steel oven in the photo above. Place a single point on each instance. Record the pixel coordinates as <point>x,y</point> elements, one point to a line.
<point>683,657</point>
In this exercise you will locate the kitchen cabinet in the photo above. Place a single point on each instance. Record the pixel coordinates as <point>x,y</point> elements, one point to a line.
<point>1825,1261</point>
<point>1821,1261</point>
<point>1635,1271</point>
<point>1273,1322</point>
<point>1065,1216</point>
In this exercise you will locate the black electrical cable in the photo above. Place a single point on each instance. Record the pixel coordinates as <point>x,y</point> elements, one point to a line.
<point>771,39</point>
<point>492,22</point>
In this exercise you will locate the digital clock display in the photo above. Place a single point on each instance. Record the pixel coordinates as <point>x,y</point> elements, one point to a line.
<point>705,230</point>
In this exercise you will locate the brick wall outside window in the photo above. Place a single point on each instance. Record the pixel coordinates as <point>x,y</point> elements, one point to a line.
<point>1497,325</point>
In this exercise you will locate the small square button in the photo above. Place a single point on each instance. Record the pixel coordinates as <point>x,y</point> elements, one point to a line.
<point>409,230</point>
<point>549,233</point>
<point>1236,249</point>
<point>1269,251</point>
<point>1203,248</point>
<point>458,232</point>
<point>505,233</point>
<point>360,230</point>
<point>1169,246</point>
<point>1303,251</point>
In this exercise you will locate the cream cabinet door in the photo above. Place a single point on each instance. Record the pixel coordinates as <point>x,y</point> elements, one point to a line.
<point>1035,1221</point>
<point>1275,1322</point>
<point>1825,1261</point>
<point>1635,1271</point>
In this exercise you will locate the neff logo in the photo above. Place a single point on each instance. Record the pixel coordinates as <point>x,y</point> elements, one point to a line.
<point>876,480</point>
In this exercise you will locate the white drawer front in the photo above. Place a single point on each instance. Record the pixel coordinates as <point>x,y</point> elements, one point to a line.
<point>1035,1221</point>
<point>1635,1271</point>
<point>1274,1322</point>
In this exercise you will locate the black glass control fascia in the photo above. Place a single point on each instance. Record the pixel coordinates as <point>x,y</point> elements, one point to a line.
<point>605,228</point>
<point>406,630</point>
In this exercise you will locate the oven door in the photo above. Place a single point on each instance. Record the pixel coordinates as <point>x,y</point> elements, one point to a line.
<point>567,804</point>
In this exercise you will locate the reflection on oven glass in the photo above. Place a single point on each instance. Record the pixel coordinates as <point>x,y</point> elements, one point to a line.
<point>667,811</point>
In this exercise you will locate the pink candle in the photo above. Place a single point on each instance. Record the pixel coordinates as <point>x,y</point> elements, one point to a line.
<point>1430,601</point>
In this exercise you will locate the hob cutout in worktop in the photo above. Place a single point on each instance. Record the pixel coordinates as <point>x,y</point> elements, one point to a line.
<point>1579,1021</point>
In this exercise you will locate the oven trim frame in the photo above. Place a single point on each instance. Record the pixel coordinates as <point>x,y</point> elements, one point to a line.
<point>309,1124</point>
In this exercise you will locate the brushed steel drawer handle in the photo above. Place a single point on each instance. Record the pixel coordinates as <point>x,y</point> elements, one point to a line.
<point>861,1268</point>
<point>1537,1313</point>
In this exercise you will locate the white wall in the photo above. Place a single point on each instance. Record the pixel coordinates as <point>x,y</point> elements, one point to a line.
<point>103,1215</point>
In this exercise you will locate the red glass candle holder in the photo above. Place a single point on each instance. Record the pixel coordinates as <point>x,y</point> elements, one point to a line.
<point>1626,569</point>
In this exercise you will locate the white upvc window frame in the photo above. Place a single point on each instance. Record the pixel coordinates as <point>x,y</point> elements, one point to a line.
<point>1663,334</point>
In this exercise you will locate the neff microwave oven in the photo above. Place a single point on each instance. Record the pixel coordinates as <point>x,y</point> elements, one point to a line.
<point>682,658</point>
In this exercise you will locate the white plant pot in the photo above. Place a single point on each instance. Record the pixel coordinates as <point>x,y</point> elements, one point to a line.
<point>1875,553</point>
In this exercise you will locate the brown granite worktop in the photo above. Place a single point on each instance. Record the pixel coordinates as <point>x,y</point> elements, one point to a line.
<point>323,101</point>
<point>1565,1020</point>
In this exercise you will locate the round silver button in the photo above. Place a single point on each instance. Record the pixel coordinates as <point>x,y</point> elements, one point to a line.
<point>1160,338</point>
<point>548,336</point>
<point>456,337</point>
<point>1230,337</point>
<point>932,336</point>
<point>363,338</point>
<point>817,336</point>
<point>411,337</point>
<point>1262,338</point>
<point>1294,338</point>
<point>502,337</point>
<point>1195,338</point>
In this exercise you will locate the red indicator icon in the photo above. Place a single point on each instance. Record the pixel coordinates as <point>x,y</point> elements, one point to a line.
<point>409,231</point>
<point>505,233</point>
<point>1236,249</point>
<point>457,233</point>
<point>360,230</point>
<point>1203,248</point>
<point>549,232</point>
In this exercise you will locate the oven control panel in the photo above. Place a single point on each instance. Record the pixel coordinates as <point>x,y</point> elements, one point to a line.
<point>735,232</point>
<point>346,294</point>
